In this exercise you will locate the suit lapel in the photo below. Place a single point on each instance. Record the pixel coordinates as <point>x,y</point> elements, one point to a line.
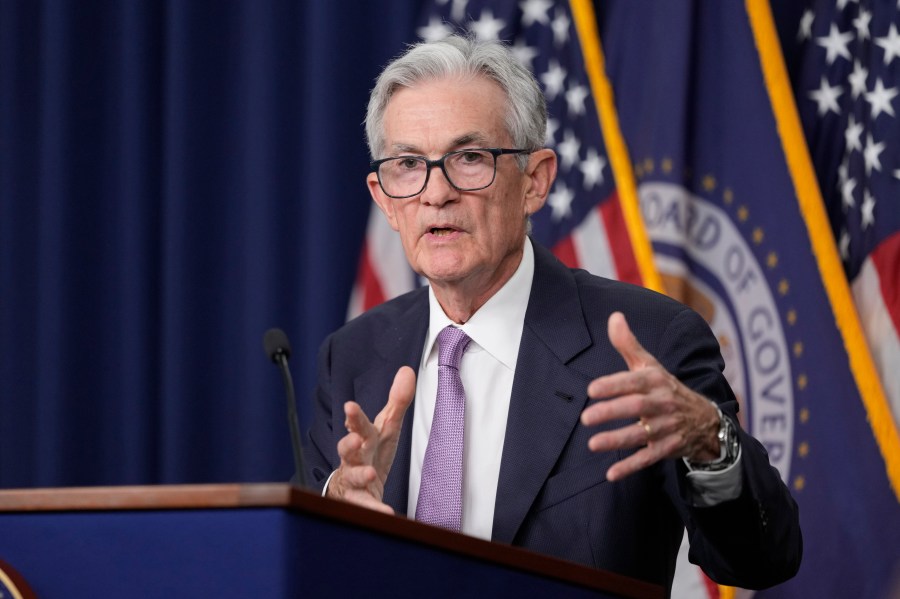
<point>547,397</point>
<point>401,345</point>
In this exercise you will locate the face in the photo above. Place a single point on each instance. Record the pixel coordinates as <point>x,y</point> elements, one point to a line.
<point>462,242</point>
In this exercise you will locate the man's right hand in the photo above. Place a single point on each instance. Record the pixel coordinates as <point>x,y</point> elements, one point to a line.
<point>368,449</point>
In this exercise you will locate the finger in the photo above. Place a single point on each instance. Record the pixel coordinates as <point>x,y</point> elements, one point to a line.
<point>641,459</point>
<point>403,390</point>
<point>628,407</point>
<point>356,477</point>
<point>345,480</point>
<point>620,383</point>
<point>633,435</point>
<point>364,499</point>
<point>349,449</point>
<point>635,462</point>
<point>626,343</point>
<point>356,420</point>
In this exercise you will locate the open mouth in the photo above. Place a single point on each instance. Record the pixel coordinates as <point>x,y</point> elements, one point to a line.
<point>441,231</point>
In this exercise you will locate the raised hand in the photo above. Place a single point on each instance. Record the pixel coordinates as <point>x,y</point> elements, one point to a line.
<point>368,449</point>
<point>671,420</point>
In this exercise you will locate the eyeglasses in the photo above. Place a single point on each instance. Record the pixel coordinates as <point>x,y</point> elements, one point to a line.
<point>466,170</point>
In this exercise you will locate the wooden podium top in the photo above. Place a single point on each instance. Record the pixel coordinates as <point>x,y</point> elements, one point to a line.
<point>278,495</point>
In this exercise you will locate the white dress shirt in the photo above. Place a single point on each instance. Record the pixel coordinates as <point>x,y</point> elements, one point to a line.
<point>487,372</point>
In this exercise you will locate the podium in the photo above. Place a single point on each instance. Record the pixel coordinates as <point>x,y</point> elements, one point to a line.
<point>263,540</point>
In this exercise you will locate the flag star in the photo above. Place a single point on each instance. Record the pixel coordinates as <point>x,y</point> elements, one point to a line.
<point>592,169</point>
<point>826,97</point>
<point>552,127</point>
<point>844,245</point>
<point>843,171</point>
<point>835,43</point>
<point>880,99</point>
<point>842,4</point>
<point>535,11</point>
<point>890,43</point>
<point>847,194</point>
<point>487,28</point>
<point>524,53</point>
<point>434,31</point>
<point>852,135</point>
<point>560,26</point>
<point>560,201</point>
<point>868,210</point>
<point>806,23</point>
<point>871,154</point>
<point>458,10</point>
<point>897,171</point>
<point>857,79</point>
<point>553,80</point>
<point>575,99</point>
<point>861,23</point>
<point>568,149</point>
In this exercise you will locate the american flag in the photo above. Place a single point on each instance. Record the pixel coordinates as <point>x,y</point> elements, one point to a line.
<point>583,221</point>
<point>846,85</point>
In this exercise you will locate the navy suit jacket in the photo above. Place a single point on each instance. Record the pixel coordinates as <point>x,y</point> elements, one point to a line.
<point>552,495</point>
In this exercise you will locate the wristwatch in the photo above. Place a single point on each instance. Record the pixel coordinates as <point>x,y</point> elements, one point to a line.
<point>728,447</point>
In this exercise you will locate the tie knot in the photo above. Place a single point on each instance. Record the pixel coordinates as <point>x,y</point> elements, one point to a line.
<point>452,343</point>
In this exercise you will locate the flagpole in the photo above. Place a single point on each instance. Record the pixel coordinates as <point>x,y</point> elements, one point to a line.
<point>620,162</point>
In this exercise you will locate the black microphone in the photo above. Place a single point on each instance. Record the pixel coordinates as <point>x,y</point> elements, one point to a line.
<point>278,348</point>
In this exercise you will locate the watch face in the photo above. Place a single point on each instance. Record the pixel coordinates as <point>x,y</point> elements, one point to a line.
<point>730,439</point>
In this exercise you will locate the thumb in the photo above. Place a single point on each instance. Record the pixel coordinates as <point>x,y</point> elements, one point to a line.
<point>626,343</point>
<point>401,395</point>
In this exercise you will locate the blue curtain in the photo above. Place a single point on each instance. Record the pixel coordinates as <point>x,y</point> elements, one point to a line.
<point>175,178</point>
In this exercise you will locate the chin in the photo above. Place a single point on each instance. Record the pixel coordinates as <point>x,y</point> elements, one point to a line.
<point>444,267</point>
<point>444,273</point>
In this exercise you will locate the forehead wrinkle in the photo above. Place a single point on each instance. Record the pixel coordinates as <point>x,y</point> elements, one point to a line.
<point>463,141</point>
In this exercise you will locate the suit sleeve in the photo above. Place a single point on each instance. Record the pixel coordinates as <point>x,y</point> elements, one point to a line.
<point>753,541</point>
<point>321,454</point>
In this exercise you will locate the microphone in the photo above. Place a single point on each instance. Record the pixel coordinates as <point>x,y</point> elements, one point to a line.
<point>278,349</point>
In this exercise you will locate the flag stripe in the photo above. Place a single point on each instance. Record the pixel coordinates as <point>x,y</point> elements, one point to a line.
<point>592,246</point>
<point>586,24</point>
<point>383,270</point>
<point>374,295</point>
<point>880,327</point>
<point>886,259</point>
<point>812,208</point>
<point>614,226</point>
<point>565,251</point>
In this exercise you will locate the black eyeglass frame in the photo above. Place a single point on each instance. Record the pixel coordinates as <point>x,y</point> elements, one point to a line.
<point>430,164</point>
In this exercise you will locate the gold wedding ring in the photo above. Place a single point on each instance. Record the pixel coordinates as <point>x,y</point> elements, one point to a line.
<point>646,426</point>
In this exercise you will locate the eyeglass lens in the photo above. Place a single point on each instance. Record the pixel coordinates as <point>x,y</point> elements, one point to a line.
<point>467,170</point>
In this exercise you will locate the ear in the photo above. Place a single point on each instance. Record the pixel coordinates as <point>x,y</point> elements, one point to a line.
<point>541,172</point>
<point>385,203</point>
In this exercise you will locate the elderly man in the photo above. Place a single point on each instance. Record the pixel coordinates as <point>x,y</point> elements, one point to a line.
<point>481,387</point>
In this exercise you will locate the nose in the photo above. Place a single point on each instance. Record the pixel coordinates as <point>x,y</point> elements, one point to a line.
<point>438,190</point>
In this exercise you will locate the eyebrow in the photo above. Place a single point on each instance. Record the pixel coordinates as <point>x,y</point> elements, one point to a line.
<point>462,141</point>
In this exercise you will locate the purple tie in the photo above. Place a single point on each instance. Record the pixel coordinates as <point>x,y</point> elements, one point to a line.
<point>440,491</point>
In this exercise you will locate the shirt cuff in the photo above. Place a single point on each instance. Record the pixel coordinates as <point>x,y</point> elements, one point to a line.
<point>712,488</point>
<point>325,488</point>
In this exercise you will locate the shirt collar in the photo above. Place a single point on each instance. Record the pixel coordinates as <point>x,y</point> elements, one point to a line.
<point>496,327</point>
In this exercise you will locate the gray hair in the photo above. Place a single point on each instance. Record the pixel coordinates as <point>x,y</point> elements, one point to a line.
<point>457,56</point>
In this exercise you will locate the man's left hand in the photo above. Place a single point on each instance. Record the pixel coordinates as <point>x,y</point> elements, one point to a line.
<point>671,419</point>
